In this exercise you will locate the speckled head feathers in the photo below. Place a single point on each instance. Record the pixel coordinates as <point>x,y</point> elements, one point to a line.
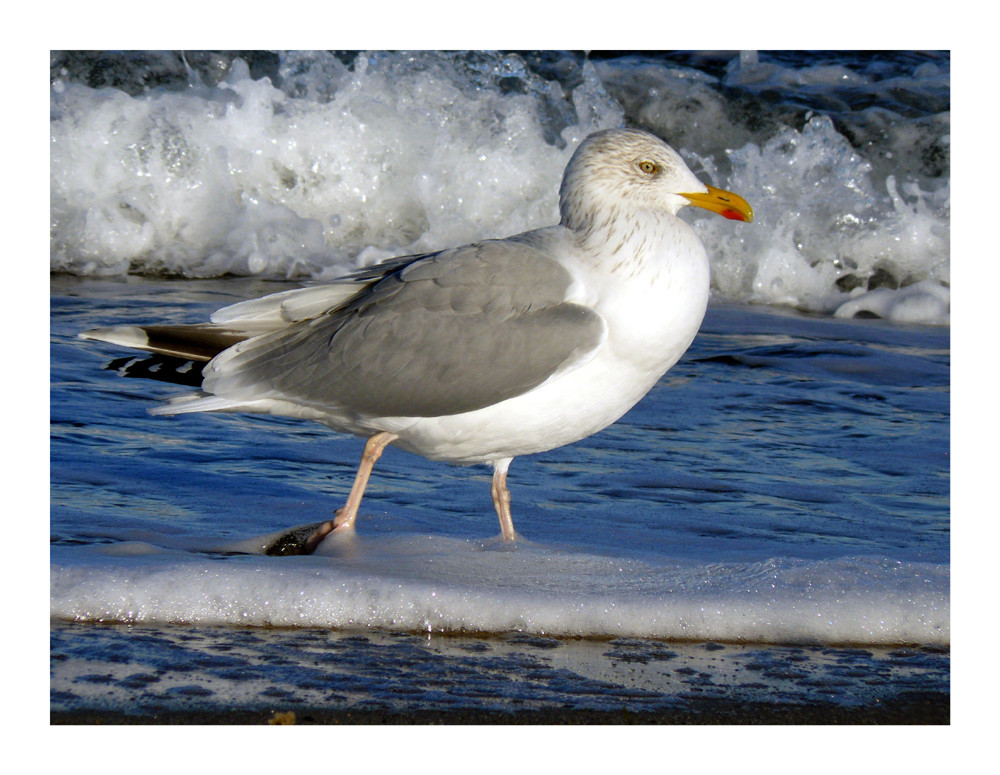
<point>623,168</point>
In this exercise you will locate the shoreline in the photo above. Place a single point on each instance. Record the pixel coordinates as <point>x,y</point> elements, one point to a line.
<point>118,675</point>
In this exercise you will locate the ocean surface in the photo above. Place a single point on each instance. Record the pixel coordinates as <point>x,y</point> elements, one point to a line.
<point>771,524</point>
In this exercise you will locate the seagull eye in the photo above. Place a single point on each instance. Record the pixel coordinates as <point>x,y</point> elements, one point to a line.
<point>648,167</point>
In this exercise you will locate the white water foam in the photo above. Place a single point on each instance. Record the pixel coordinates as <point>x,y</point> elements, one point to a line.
<point>825,223</point>
<point>438,584</point>
<point>344,166</point>
<point>395,156</point>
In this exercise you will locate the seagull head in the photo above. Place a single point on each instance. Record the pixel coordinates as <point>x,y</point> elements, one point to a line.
<point>617,170</point>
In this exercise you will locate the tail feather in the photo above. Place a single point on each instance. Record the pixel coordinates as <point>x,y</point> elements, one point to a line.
<point>178,353</point>
<point>164,368</point>
<point>195,402</point>
<point>197,342</point>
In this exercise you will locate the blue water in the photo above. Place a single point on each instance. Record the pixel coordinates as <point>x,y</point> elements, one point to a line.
<point>777,435</point>
<point>789,469</point>
<point>771,523</point>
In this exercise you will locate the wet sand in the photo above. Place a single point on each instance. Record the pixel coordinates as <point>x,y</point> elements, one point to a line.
<point>913,708</point>
<point>120,674</point>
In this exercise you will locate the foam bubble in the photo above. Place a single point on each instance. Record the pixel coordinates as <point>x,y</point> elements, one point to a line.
<point>922,302</point>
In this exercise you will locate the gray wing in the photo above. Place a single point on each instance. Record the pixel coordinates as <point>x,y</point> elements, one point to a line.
<point>444,334</point>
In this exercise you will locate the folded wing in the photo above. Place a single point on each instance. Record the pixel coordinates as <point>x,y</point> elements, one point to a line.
<point>438,335</point>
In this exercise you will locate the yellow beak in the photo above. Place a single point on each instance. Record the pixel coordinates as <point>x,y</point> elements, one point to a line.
<point>724,203</point>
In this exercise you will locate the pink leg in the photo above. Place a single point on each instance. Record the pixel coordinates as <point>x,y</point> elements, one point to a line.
<point>346,515</point>
<point>501,499</point>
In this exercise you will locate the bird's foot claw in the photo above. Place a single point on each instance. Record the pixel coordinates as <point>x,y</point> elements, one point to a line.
<point>299,540</point>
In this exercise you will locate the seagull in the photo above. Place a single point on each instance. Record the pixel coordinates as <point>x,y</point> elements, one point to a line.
<point>479,353</point>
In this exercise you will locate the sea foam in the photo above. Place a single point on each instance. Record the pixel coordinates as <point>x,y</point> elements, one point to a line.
<point>328,163</point>
<point>444,585</point>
